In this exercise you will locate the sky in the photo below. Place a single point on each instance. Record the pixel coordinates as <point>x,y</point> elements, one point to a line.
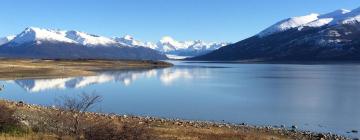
<point>150,20</point>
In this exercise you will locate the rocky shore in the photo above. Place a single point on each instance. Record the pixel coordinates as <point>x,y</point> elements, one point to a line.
<point>183,129</point>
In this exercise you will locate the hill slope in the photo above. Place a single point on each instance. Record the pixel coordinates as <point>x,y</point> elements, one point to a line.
<point>332,36</point>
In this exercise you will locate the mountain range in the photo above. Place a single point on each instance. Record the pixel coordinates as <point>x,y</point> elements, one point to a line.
<point>313,37</point>
<point>56,44</point>
<point>173,48</point>
<point>43,43</point>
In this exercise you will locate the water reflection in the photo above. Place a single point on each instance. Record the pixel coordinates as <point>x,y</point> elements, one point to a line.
<point>313,97</point>
<point>168,76</point>
<point>126,77</point>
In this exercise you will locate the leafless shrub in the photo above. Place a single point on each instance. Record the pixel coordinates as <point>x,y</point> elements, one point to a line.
<point>117,131</point>
<point>69,118</point>
<point>6,116</point>
<point>82,104</point>
<point>8,122</point>
<point>75,111</point>
<point>54,121</point>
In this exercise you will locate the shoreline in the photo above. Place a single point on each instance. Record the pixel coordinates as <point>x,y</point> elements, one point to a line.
<point>43,69</point>
<point>275,62</point>
<point>164,127</point>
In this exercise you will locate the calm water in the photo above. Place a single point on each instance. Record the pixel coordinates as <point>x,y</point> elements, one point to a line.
<point>313,97</point>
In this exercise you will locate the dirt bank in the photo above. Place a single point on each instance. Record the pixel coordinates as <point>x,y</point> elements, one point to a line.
<point>11,69</point>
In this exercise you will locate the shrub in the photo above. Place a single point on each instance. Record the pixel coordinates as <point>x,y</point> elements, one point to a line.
<point>115,131</point>
<point>70,116</point>
<point>71,119</point>
<point>8,123</point>
<point>6,116</point>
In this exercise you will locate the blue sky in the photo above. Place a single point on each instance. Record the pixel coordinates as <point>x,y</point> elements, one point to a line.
<point>210,20</point>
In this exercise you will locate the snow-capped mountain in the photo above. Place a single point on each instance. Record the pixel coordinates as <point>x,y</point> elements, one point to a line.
<point>129,41</point>
<point>341,16</point>
<point>5,40</point>
<point>32,34</point>
<point>172,47</point>
<point>326,18</point>
<point>46,43</point>
<point>289,23</point>
<point>332,36</point>
<point>88,39</point>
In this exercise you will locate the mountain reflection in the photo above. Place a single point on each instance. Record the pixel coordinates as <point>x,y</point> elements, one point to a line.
<point>168,76</point>
<point>126,77</point>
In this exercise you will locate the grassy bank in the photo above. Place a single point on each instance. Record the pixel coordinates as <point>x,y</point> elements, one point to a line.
<point>35,122</point>
<point>28,68</point>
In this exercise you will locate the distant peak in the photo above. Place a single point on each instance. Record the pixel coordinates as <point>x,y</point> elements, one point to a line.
<point>310,16</point>
<point>128,37</point>
<point>6,39</point>
<point>198,41</point>
<point>31,28</point>
<point>37,29</point>
<point>10,37</point>
<point>89,39</point>
<point>72,32</point>
<point>335,13</point>
<point>167,39</point>
<point>289,23</point>
<point>35,34</point>
<point>344,11</point>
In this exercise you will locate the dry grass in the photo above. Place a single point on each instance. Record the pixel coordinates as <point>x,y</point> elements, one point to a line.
<point>32,136</point>
<point>27,68</point>
<point>137,128</point>
<point>213,133</point>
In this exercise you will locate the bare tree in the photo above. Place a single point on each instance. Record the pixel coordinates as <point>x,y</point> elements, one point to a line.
<point>77,107</point>
<point>68,118</point>
<point>83,103</point>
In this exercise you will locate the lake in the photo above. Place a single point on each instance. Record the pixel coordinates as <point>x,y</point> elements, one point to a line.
<point>323,98</point>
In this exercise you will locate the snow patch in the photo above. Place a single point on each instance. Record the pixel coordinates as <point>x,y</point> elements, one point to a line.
<point>289,23</point>
<point>88,39</point>
<point>7,39</point>
<point>341,16</point>
<point>32,34</point>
